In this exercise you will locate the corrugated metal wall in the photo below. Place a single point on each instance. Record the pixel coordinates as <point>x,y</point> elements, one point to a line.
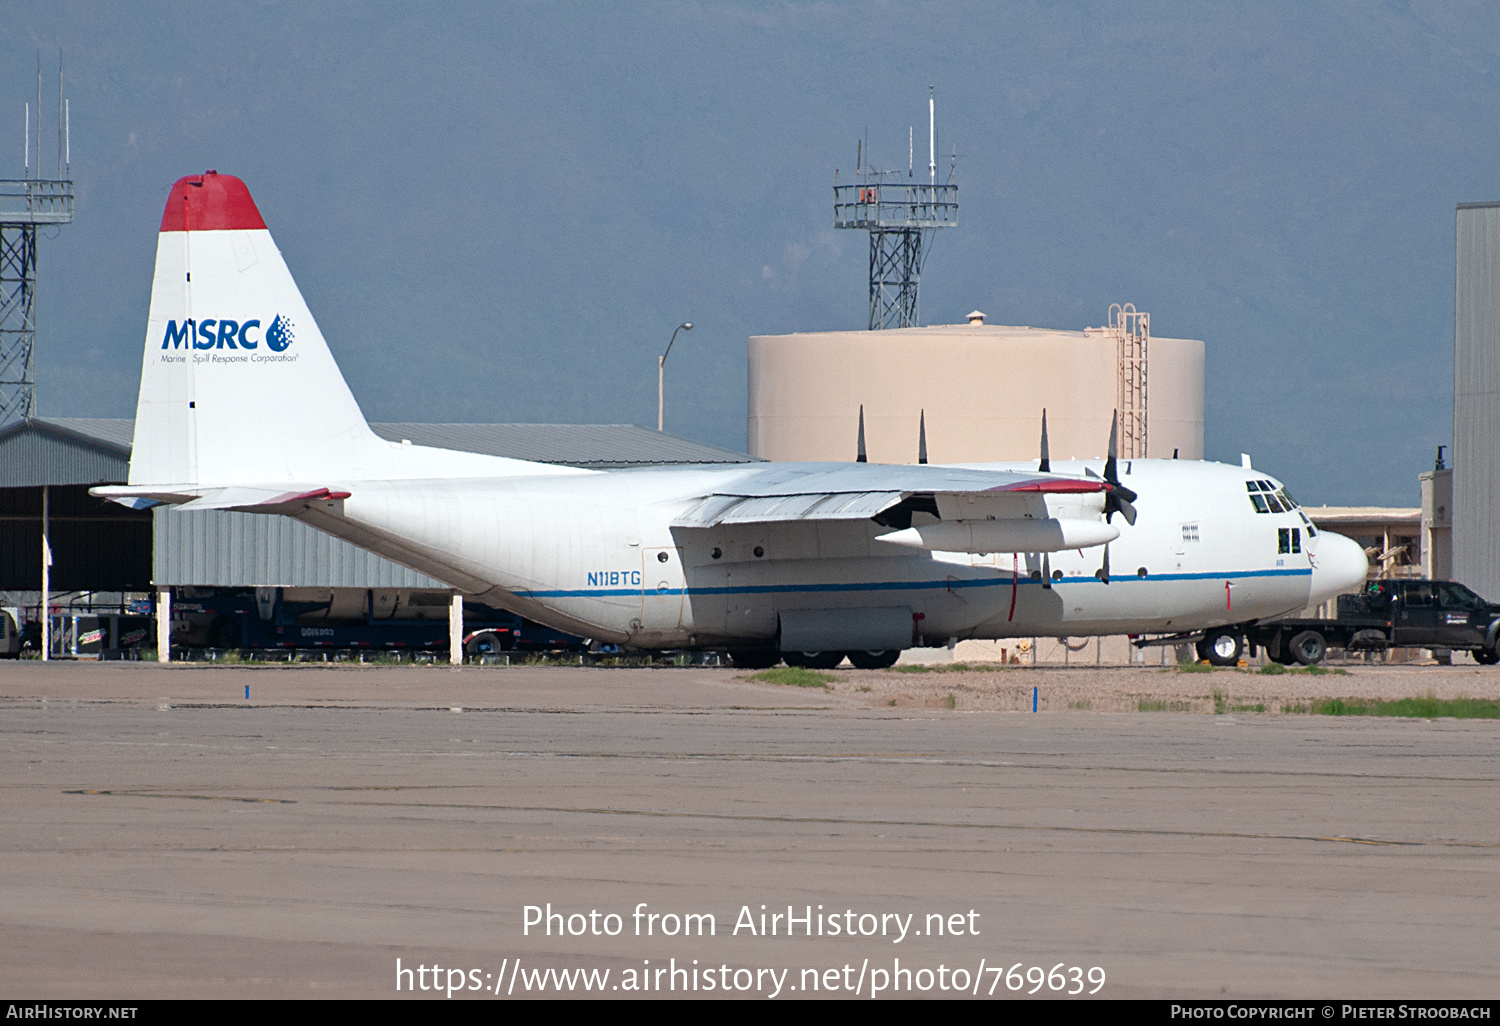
<point>31,458</point>
<point>207,547</point>
<point>1476,399</point>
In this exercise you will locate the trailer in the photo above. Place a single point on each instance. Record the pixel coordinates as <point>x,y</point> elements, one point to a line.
<point>1443,616</point>
<point>364,619</point>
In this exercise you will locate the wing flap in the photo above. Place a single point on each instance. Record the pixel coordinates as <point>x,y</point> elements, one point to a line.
<point>757,509</point>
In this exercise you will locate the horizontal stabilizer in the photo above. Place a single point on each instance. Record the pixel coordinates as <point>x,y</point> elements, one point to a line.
<point>250,498</point>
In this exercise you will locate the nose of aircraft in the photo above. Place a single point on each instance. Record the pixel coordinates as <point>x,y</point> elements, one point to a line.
<point>1340,567</point>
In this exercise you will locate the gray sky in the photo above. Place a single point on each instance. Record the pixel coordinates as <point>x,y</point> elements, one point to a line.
<point>500,211</point>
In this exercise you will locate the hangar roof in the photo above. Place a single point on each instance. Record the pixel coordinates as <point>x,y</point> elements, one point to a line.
<point>1336,518</point>
<point>41,452</point>
<point>72,450</point>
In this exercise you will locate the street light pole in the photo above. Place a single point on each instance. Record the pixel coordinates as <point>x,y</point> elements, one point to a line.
<point>661,363</point>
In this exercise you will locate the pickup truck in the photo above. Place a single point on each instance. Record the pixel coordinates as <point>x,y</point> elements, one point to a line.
<point>1398,613</point>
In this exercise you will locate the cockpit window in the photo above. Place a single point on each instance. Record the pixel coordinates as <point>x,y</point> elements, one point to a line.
<point>1269,498</point>
<point>1286,497</point>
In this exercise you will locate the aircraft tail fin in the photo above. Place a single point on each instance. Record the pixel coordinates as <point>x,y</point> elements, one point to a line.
<point>238,385</point>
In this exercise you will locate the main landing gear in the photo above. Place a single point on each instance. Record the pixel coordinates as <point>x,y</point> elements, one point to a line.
<point>763,659</point>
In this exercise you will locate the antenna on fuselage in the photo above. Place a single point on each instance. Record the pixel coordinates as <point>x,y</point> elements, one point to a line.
<point>922,438</point>
<point>859,456</point>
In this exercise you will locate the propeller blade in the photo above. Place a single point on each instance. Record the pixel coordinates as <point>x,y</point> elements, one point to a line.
<point>860,455</point>
<point>922,438</point>
<point>1045,467</point>
<point>1119,498</point>
<point>1103,572</point>
<point>1046,571</point>
<point>1111,463</point>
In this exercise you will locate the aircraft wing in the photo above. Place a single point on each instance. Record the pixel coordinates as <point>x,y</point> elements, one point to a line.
<point>859,491</point>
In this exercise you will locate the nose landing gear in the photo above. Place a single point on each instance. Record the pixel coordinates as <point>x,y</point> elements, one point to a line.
<point>1221,647</point>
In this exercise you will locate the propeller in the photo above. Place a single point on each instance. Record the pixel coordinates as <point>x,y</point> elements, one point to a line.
<point>922,438</point>
<point>1046,572</point>
<point>1118,499</point>
<point>860,455</point>
<point>1045,467</point>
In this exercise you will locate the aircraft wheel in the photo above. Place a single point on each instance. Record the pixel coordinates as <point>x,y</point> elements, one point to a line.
<point>1486,656</point>
<point>813,660</point>
<point>754,658</point>
<point>1308,648</point>
<point>1221,647</point>
<point>877,660</point>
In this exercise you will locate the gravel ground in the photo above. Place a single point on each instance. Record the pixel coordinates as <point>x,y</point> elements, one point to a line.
<point>1154,689</point>
<point>1106,689</point>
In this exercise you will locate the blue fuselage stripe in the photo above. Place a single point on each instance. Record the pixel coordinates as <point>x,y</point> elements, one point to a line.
<point>944,585</point>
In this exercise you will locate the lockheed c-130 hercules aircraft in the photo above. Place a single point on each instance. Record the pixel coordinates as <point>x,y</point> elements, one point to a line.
<point>243,408</point>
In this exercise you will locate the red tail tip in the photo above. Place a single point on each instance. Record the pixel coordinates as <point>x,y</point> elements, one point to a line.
<point>210,202</point>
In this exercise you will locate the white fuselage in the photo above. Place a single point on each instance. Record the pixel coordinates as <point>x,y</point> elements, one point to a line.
<point>596,554</point>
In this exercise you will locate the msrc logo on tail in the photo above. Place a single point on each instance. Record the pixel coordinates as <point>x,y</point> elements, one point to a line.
<point>280,335</point>
<point>223,333</point>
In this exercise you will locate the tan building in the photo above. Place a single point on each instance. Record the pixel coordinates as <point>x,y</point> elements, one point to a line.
<point>982,386</point>
<point>1437,524</point>
<point>1390,536</point>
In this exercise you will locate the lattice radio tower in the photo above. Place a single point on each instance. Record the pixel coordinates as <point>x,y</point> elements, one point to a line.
<point>897,211</point>
<point>25,204</point>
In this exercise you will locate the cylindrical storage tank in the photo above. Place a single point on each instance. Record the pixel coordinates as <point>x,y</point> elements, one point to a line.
<point>983,388</point>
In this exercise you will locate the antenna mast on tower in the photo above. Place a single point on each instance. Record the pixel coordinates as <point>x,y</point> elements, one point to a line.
<point>897,212</point>
<point>26,203</point>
